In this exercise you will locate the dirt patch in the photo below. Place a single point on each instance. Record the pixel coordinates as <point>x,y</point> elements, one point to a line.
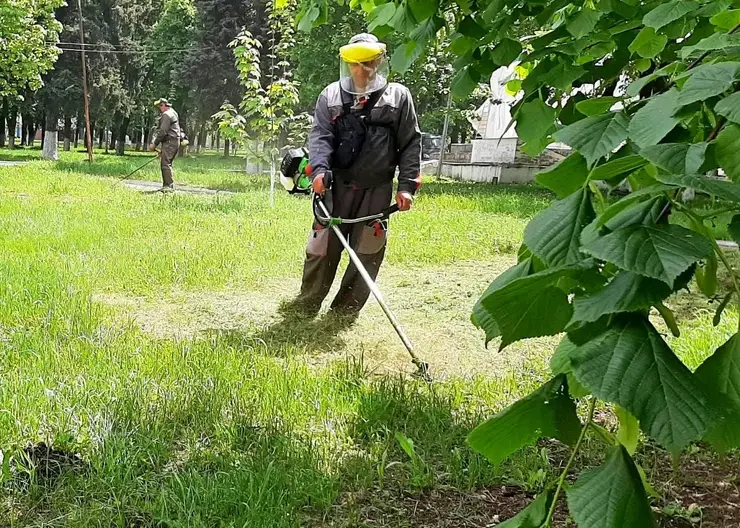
<point>432,304</point>
<point>45,463</point>
<point>437,508</point>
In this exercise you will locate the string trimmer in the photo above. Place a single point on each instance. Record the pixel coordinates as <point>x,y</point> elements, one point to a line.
<point>137,169</point>
<point>323,217</point>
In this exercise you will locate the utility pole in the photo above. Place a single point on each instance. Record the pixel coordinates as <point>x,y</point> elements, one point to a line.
<point>88,132</point>
<point>444,134</point>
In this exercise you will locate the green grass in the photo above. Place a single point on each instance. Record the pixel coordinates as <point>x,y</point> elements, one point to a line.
<point>223,430</point>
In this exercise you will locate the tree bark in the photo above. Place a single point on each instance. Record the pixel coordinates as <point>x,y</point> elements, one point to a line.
<point>3,116</point>
<point>121,139</point>
<point>67,134</point>
<point>203,137</point>
<point>226,148</point>
<point>218,140</point>
<point>12,121</point>
<point>50,149</point>
<point>101,137</point>
<point>29,130</point>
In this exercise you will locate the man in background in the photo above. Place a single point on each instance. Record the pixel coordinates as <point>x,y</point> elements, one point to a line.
<point>168,135</point>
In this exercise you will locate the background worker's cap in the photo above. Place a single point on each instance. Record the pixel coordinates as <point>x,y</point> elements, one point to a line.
<point>162,101</point>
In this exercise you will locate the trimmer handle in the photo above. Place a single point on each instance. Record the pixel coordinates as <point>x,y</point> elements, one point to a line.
<point>388,211</point>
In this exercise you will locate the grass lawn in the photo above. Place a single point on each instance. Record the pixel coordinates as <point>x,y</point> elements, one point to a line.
<point>146,378</point>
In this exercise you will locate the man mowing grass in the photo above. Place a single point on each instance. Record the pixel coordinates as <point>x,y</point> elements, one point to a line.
<point>364,128</point>
<point>168,135</point>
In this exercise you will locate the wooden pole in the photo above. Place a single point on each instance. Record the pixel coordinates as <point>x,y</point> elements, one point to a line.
<point>444,134</point>
<point>84,88</point>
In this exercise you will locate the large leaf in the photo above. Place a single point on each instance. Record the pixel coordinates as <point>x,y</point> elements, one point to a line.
<point>666,13</point>
<point>729,107</point>
<point>566,177</point>
<point>676,158</point>
<point>506,52</point>
<point>628,433</point>
<point>717,41</point>
<point>726,19</point>
<point>617,167</point>
<point>549,412</point>
<point>562,75</point>
<point>595,137</point>
<point>470,27</point>
<point>662,252</point>
<point>627,201</point>
<point>464,82</point>
<point>423,9</point>
<point>627,292</point>
<point>710,80</point>
<point>405,55</point>
<point>720,373</point>
<point>534,124</point>
<point>534,515</point>
<point>532,306</point>
<point>381,15</point>
<point>596,106</point>
<point>584,22</point>
<point>727,152</point>
<point>481,317</point>
<point>648,43</point>
<point>655,120</point>
<point>630,364</point>
<point>554,234</point>
<point>611,495</point>
<point>721,189</point>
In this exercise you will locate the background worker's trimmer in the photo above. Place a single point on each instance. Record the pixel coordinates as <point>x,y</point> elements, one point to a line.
<point>322,214</point>
<point>137,169</point>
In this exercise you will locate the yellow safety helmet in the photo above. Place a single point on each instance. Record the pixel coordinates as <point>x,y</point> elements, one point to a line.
<point>363,67</point>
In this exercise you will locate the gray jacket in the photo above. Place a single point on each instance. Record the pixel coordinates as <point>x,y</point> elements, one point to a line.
<point>393,139</point>
<point>169,127</point>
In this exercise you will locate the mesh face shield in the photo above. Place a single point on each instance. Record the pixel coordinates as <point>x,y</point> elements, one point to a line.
<point>363,67</point>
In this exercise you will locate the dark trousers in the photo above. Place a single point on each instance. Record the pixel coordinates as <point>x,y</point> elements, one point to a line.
<point>169,151</point>
<point>324,250</point>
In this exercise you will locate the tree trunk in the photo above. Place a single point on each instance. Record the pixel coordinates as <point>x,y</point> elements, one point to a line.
<point>101,137</point>
<point>29,131</point>
<point>3,117</point>
<point>67,133</point>
<point>79,130</point>
<point>50,150</point>
<point>226,148</point>
<point>218,140</point>
<point>12,120</point>
<point>203,137</point>
<point>139,135</point>
<point>121,139</point>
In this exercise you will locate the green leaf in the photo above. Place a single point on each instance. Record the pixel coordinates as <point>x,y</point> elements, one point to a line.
<point>655,120</point>
<point>481,317</point>
<point>554,234</point>
<point>734,228</point>
<point>720,373</point>
<point>672,69</point>
<point>461,44</point>
<point>469,27</point>
<point>403,21</point>
<point>628,433</point>
<point>707,82</point>
<point>381,15</point>
<point>464,82</point>
<point>648,43</point>
<point>560,364</point>
<point>627,292</point>
<point>534,515</point>
<point>729,107</point>
<point>493,10</point>
<point>611,495</point>
<point>531,306</point>
<point>405,55</point>
<point>727,152</point>
<point>423,9</point>
<point>662,252</point>
<point>613,210</point>
<point>666,13</point>
<point>548,412</point>
<point>584,22</point>
<point>717,41</point>
<point>534,124</point>
<point>506,52</point>
<point>721,189</point>
<point>599,105</point>
<point>727,19</point>
<point>676,158</point>
<point>562,76</point>
<point>643,65</point>
<point>595,137</point>
<point>617,167</point>
<point>643,213</point>
<point>566,177</point>
<point>629,364</point>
